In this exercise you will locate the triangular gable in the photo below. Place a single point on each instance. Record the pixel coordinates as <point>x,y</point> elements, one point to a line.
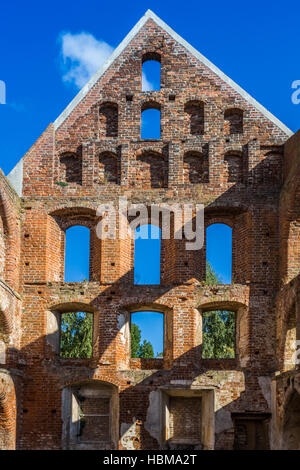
<point>150,15</point>
<point>15,176</point>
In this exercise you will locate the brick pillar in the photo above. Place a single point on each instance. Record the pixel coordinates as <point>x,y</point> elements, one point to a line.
<point>175,170</point>
<point>125,163</point>
<point>88,163</point>
<point>253,160</point>
<point>216,161</point>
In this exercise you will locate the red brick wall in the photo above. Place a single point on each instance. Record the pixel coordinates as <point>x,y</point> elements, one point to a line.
<point>192,162</point>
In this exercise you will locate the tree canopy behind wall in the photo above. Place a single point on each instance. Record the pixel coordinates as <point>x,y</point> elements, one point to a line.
<point>76,335</point>
<point>218,327</point>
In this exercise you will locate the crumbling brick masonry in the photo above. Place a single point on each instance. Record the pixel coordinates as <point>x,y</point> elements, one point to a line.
<point>217,147</point>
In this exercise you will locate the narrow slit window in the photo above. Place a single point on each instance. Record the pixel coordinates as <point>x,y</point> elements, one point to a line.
<point>147,335</point>
<point>150,123</point>
<point>77,254</point>
<point>218,334</point>
<point>218,254</point>
<point>147,249</point>
<point>76,335</point>
<point>151,70</point>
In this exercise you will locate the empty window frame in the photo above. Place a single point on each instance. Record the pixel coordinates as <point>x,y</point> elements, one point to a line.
<point>151,121</point>
<point>218,254</point>
<point>233,121</point>
<point>147,249</point>
<point>76,335</point>
<point>77,254</point>
<point>147,335</point>
<point>218,334</point>
<point>151,72</point>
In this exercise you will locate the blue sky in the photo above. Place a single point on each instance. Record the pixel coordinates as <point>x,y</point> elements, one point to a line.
<point>47,54</point>
<point>256,43</point>
<point>219,250</point>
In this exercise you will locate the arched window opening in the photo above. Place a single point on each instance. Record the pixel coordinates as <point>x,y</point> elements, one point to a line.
<point>194,118</point>
<point>147,335</point>
<point>76,335</point>
<point>77,254</point>
<point>108,117</point>
<point>108,168</point>
<point>234,162</point>
<point>147,247</point>
<point>193,168</point>
<point>70,169</point>
<point>218,254</point>
<point>233,121</point>
<point>151,170</point>
<point>151,71</point>
<point>218,334</point>
<point>150,121</point>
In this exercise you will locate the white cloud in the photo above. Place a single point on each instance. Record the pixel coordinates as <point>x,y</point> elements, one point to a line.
<point>82,56</point>
<point>146,85</point>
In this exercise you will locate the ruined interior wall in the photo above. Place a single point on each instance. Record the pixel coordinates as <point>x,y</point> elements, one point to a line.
<point>252,203</point>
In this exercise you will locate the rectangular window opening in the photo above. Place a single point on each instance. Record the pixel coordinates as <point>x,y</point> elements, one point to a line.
<point>147,335</point>
<point>76,335</point>
<point>218,334</point>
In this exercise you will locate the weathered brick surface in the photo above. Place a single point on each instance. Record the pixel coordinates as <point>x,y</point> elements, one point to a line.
<point>215,148</point>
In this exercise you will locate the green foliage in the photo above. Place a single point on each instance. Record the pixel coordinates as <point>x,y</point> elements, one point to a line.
<point>76,335</point>
<point>138,349</point>
<point>218,334</point>
<point>218,326</point>
<point>135,340</point>
<point>61,183</point>
<point>212,277</point>
<point>146,350</point>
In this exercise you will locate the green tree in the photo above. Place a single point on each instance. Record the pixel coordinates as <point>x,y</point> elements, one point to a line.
<point>135,334</point>
<point>212,277</point>
<point>218,326</point>
<point>76,335</point>
<point>138,349</point>
<point>218,334</point>
<point>146,350</point>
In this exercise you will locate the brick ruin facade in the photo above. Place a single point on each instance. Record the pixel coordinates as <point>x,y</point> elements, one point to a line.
<point>218,147</point>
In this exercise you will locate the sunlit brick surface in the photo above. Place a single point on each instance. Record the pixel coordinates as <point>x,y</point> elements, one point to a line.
<point>216,149</point>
